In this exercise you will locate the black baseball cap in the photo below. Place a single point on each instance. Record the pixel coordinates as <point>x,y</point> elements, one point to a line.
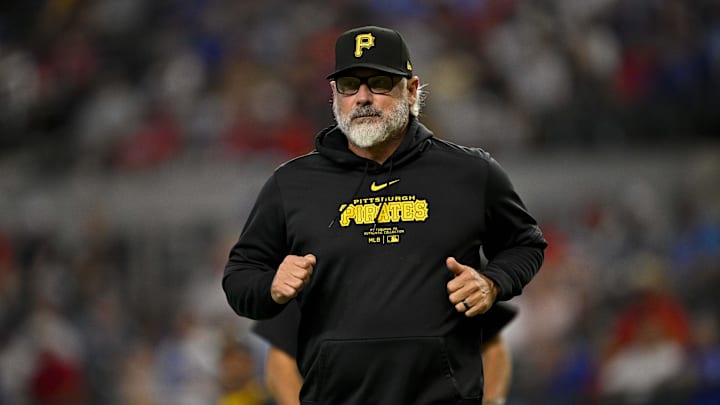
<point>372,47</point>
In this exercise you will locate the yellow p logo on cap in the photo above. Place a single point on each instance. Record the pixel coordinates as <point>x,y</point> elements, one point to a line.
<point>363,41</point>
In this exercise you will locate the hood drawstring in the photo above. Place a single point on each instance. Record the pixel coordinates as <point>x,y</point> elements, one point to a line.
<point>355,194</point>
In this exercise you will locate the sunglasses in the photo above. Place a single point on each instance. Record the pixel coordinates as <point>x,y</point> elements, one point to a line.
<point>349,85</point>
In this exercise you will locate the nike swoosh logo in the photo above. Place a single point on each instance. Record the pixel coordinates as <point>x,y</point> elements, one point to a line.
<point>377,187</point>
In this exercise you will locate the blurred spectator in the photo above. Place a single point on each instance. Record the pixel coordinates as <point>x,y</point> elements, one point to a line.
<point>109,114</point>
<point>705,360</point>
<point>105,337</point>
<point>19,91</point>
<point>42,360</point>
<point>651,337</point>
<point>137,383</point>
<point>706,349</point>
<point>57,381</point>
<point>9,286</point>
<point>238,380</point>
<point>186,363</point>
<point>158,140</point>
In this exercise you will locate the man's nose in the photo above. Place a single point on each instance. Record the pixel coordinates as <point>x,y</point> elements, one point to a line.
<point>364,95</point>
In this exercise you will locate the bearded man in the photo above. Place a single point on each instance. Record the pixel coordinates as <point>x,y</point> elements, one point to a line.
<point>378,235</point>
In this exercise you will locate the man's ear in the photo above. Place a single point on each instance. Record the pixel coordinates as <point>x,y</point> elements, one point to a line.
<point>412,85</point>
<point>414,82</point>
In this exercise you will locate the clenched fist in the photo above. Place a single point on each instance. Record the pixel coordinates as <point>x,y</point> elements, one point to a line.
<point>470,292</point>
<point>291,277</point>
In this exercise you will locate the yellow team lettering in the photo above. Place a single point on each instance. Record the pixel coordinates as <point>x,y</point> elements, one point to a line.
<point>363,41</point>
<point>395,211</point>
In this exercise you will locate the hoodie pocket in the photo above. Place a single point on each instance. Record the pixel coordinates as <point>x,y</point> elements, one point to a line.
<point>396,371</point>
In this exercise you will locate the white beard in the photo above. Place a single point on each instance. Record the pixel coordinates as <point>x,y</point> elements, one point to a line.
<point>367,134</point>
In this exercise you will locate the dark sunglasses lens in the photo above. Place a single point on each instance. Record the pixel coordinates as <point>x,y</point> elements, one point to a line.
<point>380,84</point>
<point>347,85</point>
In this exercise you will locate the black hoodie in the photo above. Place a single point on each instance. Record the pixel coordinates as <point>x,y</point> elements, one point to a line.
<point>377,326</point>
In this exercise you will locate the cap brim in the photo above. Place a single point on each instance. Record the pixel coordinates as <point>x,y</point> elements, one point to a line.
<point>368,66</point>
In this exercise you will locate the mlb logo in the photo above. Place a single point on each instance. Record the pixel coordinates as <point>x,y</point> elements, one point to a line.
<point>392,239</point>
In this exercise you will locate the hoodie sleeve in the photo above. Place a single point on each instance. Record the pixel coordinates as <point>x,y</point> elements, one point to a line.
<point>513,244</point>
<point>256,256</point>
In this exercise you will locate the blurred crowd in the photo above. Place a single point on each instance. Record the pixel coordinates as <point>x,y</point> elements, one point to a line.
<point>623,311</point>
<point>132,84</point>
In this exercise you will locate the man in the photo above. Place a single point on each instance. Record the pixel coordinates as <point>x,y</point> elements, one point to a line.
<point>283,379</point>
<point>238,383</point>
<point>373,233</point>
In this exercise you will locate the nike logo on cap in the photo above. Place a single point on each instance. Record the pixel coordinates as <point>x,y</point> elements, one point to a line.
<point>377,187</point>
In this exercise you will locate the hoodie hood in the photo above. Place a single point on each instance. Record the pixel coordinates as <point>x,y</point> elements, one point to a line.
<point>332,144</point>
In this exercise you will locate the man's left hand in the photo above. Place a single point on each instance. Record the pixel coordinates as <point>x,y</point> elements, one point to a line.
<point>470,292</point>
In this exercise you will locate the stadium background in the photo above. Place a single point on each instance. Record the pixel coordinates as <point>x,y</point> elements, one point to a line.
<point>134,136</point>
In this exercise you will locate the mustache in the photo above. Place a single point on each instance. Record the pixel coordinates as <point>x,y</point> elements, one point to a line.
<point>365,111</point>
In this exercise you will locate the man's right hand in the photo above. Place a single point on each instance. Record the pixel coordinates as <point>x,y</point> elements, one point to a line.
<point>291,277</point>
